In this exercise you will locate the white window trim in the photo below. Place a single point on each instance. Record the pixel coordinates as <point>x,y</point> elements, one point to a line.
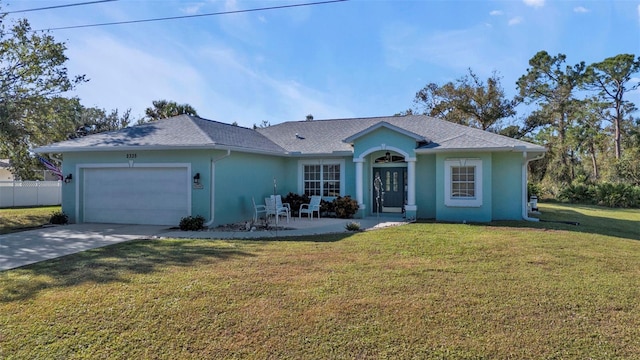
<point>302,163</point>
<point>463,202</point>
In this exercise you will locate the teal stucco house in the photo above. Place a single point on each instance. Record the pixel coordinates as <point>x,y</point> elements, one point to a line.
<point>159,172</point>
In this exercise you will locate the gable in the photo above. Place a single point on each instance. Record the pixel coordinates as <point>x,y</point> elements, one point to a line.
<point>383,125</point>
<point>382,138</point>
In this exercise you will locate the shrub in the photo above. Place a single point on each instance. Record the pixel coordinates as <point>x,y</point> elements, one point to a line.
<point>295,200</point>
<point>617,195</point>
<point>534,189</point>
<point>604,194</point>
<point>577,193</point>
<point>192,223</point>
<point>327,207</point>
<point>345,207</point>
<point>353,226</point>
<point>59,218</point>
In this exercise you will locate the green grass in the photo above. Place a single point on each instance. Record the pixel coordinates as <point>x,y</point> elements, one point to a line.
<point>591,219</point>
<point>423,291</point>
<point>17,219</point>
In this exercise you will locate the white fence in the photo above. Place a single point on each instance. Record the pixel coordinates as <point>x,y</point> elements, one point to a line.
<point>30,193</point>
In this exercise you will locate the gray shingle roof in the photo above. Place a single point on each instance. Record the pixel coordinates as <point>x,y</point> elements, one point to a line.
<point>326,136</point>
<point>182,131</point>
<point>315,137</point>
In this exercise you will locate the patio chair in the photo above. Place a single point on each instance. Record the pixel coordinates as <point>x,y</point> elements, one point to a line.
<point>273,209</point>
<point>279,205</point>
<point>258,209</point>
<point>313,205</point>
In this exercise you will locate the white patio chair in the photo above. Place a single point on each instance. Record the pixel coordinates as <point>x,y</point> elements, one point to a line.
<point>313,205</point>
<point>272,209</point>
<point>281,205</point>
<point>258,209</point>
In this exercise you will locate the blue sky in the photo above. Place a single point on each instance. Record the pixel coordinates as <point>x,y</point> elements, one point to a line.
<point>357,58</point>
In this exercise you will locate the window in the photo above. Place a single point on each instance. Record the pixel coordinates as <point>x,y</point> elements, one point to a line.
<point>324,179</point>
<point>312,180</point>
<point>331,177</point>
<point>463,182</point>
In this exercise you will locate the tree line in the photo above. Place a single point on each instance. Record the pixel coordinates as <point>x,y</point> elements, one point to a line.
<point>581,113</point>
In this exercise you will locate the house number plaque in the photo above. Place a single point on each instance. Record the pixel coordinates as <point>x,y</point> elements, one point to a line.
<point>132,156</point>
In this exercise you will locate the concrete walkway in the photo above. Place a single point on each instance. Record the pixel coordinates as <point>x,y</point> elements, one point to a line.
<point>28,247</point>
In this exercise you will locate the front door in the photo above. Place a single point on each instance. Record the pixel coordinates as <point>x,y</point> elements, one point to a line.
<point>388,189</point>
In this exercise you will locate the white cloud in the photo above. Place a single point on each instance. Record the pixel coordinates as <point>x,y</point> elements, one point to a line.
<point>496,12</point>
<point>534,3</point>
<point>192,9</point>
<point>515,21</point>
<point>250,93</point>
<point>124,77</point>
<point>580,9</point>
<point>231,5</point>
<point>456,49</point>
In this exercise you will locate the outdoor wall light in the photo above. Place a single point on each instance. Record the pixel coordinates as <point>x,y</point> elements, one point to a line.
<point>68,178</point>
<point>387,157</point>
<point>196,178</point>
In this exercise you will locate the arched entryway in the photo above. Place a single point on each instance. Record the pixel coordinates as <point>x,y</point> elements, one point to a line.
<point>389,190</point>
<point>396,158</point>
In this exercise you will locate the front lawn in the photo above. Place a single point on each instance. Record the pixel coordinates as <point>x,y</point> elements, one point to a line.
<point>590,219</point>
<point>17,219</point>
<point>424,291</point>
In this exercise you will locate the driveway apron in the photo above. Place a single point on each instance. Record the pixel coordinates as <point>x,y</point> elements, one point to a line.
<point>28,247</point>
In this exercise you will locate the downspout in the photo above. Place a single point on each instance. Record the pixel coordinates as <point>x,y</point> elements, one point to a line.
<point>525,200</point>
<point>211,182</point>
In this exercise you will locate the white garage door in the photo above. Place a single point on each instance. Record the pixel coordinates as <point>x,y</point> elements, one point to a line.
<point>153,196</point>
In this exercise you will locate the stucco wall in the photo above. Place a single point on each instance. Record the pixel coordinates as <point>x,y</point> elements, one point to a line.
<point>426,186</point>
<point>242,176</point>
<point>507,186</point>
<point>468,214</point>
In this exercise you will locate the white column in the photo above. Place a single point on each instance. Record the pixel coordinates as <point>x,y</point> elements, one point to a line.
<point>359,184</point>
<point>411,181</point>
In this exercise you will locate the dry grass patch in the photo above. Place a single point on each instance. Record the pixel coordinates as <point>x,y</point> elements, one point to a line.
<point>16,219</point>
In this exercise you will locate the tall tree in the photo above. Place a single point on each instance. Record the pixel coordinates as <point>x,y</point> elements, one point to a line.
<point>95,120</point>
<point>163,109</point>
<point>628,166</point>
<point>586,133</point>
<point>32,73</point>
<point>468,101</point>
<point>612,78</point>
<point>551,84</point>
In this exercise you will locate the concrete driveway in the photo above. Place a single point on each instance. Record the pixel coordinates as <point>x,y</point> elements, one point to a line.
<point>28,247</point>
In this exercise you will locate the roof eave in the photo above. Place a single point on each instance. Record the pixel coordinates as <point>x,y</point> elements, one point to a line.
<point>57,150</point>
<point>331,154</point>
<point>481,149</point>
<point>75,149</point>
